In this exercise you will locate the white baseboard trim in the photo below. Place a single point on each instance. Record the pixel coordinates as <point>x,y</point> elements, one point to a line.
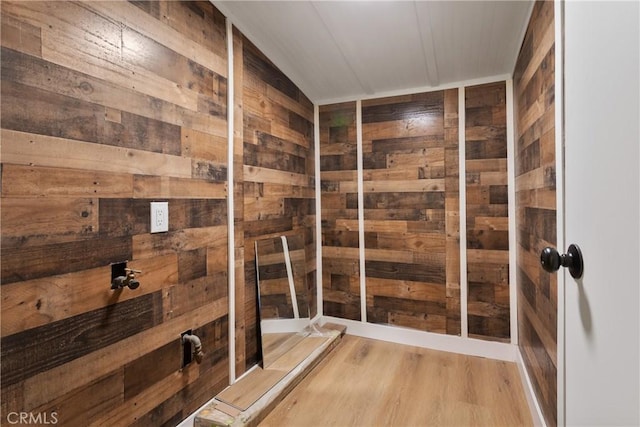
<point>534,407</point>
<point>316,319</point>
<point>450,343</point>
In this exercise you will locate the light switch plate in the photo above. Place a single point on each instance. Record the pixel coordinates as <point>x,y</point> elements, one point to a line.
<point>159,217</point>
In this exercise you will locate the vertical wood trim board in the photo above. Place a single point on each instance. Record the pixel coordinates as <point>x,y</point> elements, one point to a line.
<point>105,108</point>
<point>361,242</point>
<point>238,206</point>
<point>231,244</point>
<point>318,223</point>
<point>464,287</point>
<point>487,212</point>
<point>536,211</point>
<point>511,179</point>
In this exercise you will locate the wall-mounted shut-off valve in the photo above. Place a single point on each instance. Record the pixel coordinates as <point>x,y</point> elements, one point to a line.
<point>127,280</point>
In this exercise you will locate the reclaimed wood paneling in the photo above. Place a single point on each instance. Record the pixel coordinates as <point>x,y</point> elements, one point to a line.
<point>487,202</point>
<point>106,107</point>
<point>411,211</point>
<point>536,205</point>
<point>338,173</point>
<point>410,160</point>
<point>277,177</point>
<point>452,209</point>
<point>27,353</point>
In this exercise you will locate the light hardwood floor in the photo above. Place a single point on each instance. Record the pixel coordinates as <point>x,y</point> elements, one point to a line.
<point>366,382</point>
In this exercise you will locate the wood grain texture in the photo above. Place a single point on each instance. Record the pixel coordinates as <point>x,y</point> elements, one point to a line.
<point>108,106</point>
<point>54,344</point>
<point>487,197</point>
<point>535,159</point>
<point>411,205</point>
<point>275,178</point>
<point>246,391</point>
<point>452,210</point>
<point>338,169</point>
<point>209,378</point>
<point>416,387</point>
<point>50,296</point>
<point>410,151</point>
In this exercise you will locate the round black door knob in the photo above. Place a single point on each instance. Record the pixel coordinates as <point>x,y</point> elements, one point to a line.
<point>551,260</point>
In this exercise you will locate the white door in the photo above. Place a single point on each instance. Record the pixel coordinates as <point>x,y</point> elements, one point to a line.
<point>602,216</point>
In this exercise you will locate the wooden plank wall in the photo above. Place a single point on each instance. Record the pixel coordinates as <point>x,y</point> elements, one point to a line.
<point>339,201</point>
<point>411,211</point>
<point>107,106</point>
<point>405,210</point>
<point>536,205</point>
<point>487,211</point>
<point>278,175</point>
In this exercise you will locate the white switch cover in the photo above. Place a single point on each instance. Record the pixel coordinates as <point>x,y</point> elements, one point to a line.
<point>159,217</point>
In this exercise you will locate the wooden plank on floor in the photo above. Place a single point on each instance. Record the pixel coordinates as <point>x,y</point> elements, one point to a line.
<point>251,387</point>
<point>298,353</point>
<point>275,345</point>
<point>246,391</point>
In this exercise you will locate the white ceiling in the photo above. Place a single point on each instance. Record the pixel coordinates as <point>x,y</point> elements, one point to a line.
<point>343,50</point>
